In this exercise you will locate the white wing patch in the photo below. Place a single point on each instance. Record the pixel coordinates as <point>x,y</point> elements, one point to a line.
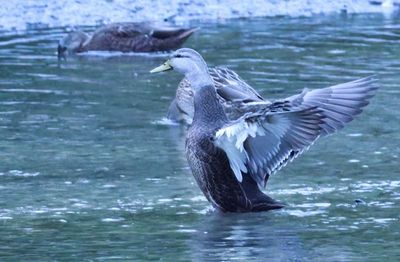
<point>231,139</point>
<point>237,156</point>
<point>260,143</point>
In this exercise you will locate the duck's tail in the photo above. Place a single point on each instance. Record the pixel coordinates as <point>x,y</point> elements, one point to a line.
<point>166,40</point>
<point>259,201</point>
<point>265,203</point>
<point>187,33</point>
<point>173,33</point>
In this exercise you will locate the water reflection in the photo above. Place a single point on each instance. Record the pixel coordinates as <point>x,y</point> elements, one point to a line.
<point>222,237</point>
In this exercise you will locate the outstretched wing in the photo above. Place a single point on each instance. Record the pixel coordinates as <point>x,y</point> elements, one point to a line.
<point>259,144</point>
<point>339,104</point>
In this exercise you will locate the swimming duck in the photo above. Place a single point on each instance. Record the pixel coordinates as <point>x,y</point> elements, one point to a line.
<point>231,90</point>
<point>125,37</point>
<point>232,160</point>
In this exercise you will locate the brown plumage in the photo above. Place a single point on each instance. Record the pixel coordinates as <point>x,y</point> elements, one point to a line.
<point>125,37</point>
<point>210,164</point>
<point>232,160</point>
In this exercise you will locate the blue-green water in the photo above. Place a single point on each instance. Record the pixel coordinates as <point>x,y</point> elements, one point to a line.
<point>89,172</point>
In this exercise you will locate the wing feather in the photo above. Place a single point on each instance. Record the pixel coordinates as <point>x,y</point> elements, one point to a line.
<point>261,143</point>
<point>258,144</point>
<point>339,103</point>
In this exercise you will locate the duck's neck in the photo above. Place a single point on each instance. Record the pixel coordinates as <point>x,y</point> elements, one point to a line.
<point>199,77</point>
<point>207,109</point>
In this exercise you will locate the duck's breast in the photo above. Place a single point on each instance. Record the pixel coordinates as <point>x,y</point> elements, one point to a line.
<point>212,172</point>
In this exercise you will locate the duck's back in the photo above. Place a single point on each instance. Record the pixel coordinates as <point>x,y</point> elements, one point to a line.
<point>230,89</point>
<point>137,37</point>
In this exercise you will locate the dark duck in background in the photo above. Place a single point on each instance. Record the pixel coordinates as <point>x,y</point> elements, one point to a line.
<point>125,37</point>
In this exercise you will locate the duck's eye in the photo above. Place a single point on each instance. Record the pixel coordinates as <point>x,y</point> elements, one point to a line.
<point>178,56</point>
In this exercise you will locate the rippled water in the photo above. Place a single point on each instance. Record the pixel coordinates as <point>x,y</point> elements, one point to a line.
<point>89,172</point>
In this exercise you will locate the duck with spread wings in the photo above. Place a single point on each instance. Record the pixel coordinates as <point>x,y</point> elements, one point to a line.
<point>232,160</point>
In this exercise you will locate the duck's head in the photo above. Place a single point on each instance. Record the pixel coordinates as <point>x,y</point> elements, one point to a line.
<point>71,43</point>
<point>189,63</point>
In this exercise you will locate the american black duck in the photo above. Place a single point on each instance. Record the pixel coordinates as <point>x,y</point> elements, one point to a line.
<point>232,160</point>
<point>125,37</point>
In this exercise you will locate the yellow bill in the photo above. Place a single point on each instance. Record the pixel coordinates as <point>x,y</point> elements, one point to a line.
<point>164,67</point>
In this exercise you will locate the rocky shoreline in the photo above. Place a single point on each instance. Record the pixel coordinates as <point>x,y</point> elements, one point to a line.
<point>21,14</point>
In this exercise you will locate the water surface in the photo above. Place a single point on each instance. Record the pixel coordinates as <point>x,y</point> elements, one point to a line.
<point>89,171</point>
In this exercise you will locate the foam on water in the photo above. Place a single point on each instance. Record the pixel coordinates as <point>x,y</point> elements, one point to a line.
<point>306,191</point>
<point>165,122</point>
<point>19,173</point>
<point>119,219</point>
<point>31,90</point>
<point>20,15</point>
<point>311,205</point>
<point>301,213</point>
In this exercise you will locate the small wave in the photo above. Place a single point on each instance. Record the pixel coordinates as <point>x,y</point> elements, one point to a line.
<point>19,173</point>
<point>12,112</point>
<point>164,200</point>
<point>183,230</point>
<point>301,213</point>
<point>43,76</point>
<point>369,186</point>
<point>383,220</point>
<point>310,205</point>
<point>81,205</point>
<point>336,52</point>
<point>109,186</point>
<point>30,90</point>
<point>118,219</point>
<point>306,191</point>
<point>198,198</point>
<point>382,204</point>
<point>165,122</point>
<point>355,134</point>
<point>153,179</point>
<point>353,161</point>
